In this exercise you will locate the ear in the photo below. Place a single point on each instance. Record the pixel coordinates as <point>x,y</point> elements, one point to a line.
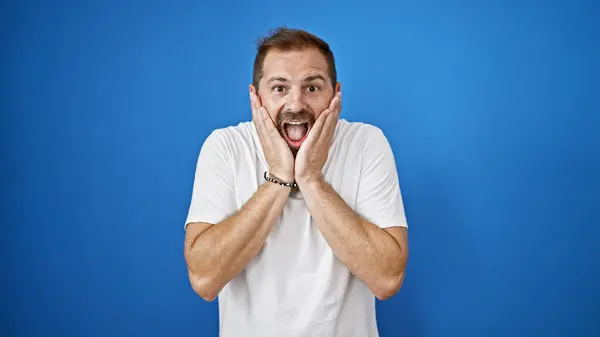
<point>338,87</point>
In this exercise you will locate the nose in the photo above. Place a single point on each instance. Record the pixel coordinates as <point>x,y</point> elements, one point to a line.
<point>295,101</point>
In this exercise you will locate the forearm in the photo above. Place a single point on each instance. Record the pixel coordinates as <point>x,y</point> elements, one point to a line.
<point>222,251</point>
<point>368,251</point>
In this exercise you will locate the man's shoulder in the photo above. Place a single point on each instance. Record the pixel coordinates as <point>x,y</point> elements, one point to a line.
<point>234,135</point>
<point>355,133</point>
<point>240,132</point>
<point>231,141</point>
<point>355,126</point>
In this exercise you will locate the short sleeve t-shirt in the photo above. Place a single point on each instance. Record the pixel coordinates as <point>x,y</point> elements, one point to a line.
<point>296,286</point>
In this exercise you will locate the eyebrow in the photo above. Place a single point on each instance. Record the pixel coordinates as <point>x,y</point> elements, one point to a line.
<point>307,79</point>
<point>277,78</point>
<point>314,77</point>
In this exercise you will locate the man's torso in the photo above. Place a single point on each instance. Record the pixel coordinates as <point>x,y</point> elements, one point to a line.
<point>296,286</point>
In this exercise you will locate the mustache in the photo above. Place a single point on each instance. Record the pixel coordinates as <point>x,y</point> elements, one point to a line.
<point>287,116</point>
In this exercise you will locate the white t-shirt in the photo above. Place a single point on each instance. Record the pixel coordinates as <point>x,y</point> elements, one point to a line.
<point>296,286</point>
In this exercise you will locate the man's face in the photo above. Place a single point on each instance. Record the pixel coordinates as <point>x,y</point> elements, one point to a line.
<point>295,88</point>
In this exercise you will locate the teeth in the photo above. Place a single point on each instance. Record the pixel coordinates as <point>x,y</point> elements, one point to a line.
<point>296,123</point>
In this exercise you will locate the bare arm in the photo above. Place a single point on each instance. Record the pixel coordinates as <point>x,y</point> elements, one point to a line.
<point>215,254</point>
<point>377,256</point>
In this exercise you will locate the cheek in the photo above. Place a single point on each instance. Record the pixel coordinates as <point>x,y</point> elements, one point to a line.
<point>318,104</point>
<point>273,109</point>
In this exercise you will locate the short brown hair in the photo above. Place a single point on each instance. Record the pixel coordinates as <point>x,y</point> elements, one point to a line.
<point>288,39</point>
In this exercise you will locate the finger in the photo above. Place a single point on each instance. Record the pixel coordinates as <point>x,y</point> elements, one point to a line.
<point>317,128</point>
<point>253,106</point>
<point>328,127</point>
<point>260,111</point>
<point>334,106</point>
<point>331,122</point>
<point>338,108</point>
<point>254,103</point>
<point>335,101</point>
<point>258,118</point>
<point>267,121</point>
<point>257,100</point>
<point>262,126</point>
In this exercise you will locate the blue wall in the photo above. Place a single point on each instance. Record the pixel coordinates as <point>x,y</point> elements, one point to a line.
<point>491,109</point>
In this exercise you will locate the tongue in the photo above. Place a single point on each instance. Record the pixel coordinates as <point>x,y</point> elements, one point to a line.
<point>295,131</point>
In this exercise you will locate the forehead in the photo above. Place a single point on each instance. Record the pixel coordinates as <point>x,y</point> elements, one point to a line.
<point>294,63</point>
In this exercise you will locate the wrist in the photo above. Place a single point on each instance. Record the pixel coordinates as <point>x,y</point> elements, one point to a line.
<point>281,176</point>
<point>310,181</point>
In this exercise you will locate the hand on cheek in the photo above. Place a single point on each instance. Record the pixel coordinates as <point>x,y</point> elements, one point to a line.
<point>277,153</point>
<point>315,149</point>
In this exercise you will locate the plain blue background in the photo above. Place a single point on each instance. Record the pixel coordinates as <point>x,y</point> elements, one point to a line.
<point>491,109</point>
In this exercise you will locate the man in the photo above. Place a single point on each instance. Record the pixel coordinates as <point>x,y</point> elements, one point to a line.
<point>296,220</point>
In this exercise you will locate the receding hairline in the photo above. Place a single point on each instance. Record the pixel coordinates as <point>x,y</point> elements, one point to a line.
<point>284,39</point>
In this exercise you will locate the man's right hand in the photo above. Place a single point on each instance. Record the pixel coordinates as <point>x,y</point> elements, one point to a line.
<point>277,152</point>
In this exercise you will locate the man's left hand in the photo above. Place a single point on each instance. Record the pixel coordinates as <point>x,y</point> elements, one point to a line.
<point>314,151</point>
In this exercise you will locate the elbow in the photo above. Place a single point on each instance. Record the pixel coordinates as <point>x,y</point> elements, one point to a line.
<point>390,283</point>
<point>388,287</point>
<point>203,287</point>
<point>203,283</point>
<point>206,295</point>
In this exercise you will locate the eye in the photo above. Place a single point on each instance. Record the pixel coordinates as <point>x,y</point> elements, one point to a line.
<point>278,88</point>
<point>313,88</point>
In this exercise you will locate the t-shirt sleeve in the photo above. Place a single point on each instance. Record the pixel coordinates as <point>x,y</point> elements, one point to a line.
<point>379,198</point>
<point>213,195</point>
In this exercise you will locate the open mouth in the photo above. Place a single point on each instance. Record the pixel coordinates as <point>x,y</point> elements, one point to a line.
<point>295,132</point>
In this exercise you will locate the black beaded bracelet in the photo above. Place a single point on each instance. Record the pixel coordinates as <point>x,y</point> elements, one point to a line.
<point>267,178</point>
